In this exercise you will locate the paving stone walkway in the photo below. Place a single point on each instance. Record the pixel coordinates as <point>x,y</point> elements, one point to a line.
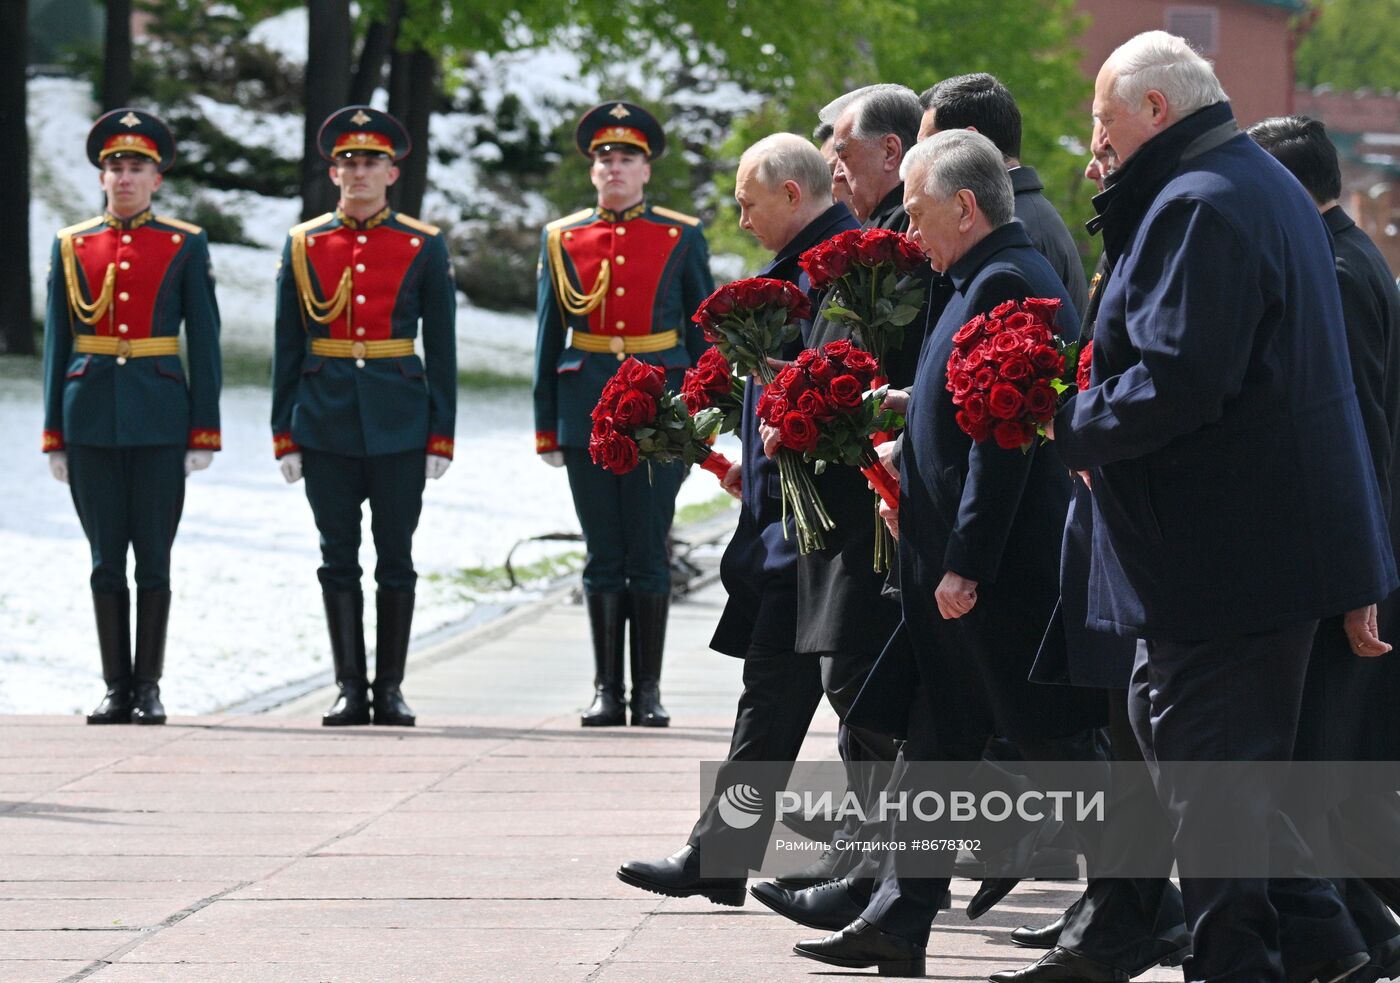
<point>479,846</point>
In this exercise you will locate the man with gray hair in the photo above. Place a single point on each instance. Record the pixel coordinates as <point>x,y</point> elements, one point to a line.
<point>783,189</point>
<point>1234,499</point>
<point>843,616</point>
<point>979,527</point>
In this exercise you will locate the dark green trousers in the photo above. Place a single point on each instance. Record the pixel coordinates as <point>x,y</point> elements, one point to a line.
<point>337,487</point>
<point>625,521</point>
<point>128,496</point>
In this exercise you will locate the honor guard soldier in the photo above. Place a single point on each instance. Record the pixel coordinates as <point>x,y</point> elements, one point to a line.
<point>621,279</point>
<point>354,409</point>
<point>124,422</point>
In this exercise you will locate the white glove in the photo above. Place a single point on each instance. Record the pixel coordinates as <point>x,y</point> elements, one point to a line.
<point>437,466</point>
<point>58,466</point>
<point>555,459</point>
<point>291,466</point>
<point>198,461</point>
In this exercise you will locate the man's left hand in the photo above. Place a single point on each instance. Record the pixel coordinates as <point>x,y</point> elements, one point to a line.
<point>955,595</point>
<point>733,481</point>
<point>891,517</point>
<point>1362,633</point>
<point>197,461</point>
<point>436,466</point>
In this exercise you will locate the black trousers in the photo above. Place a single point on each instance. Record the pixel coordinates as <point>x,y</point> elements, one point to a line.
<point>625,521</point>
<point>1119,920</point>
<point>338,486</point>
<point>1234,699</point>
<point>781,693</point>
<point>128,496</point>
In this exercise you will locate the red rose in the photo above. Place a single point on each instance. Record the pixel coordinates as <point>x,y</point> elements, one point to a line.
<point>975,406</point>
<point>978,430</point>
<point>1005,401</point>
<point>1006,343</point>
<point>1047,360</point>
<point>798,432</point>
<point>772,406</point>
<point>1045,309</point>
<point>650,379</point>
<point>960,384</point>
<point>860,362</point>
<point>822,370</point>
<point>1016,368</point>
<point>1004,309</point>
<point>871,249</point>
<point>634,409</point>
<point>1010,435</point>
<point>614,452</point>
<point>1040,402</point>
<point>984,378</point>
<point>805,357</point>
<point>721,302</point>
<point>846,391</point>
<point>970,332</point>
<point>1086,365</point>
<point>838,350</point>
<point>908,257</point>
<point>1019,321</point>
<point>814,405</point>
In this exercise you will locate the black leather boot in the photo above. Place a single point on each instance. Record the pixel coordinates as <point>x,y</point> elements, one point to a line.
<point>395,609</point>
<point>114,642</point>
<point>606,620</point>
<point>648,641</point>
<point>345,617</point>
<point>152,617</point>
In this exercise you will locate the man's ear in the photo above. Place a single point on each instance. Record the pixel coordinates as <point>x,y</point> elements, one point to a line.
<point>794,192</point>
<point>393,175</point>
<point>967,209</point>
<point>894,151</point>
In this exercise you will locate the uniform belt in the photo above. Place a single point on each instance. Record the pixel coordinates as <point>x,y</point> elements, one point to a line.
<point>124,348</point>
<point>359,350</point>
<point>621,345</point>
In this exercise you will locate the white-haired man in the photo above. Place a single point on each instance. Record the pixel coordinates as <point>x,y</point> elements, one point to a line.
<point>1235,502</point>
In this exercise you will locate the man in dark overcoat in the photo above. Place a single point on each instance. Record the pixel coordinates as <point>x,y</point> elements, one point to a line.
<point>980,529</point>
<point>783,189</point>
<point>1235,502</point>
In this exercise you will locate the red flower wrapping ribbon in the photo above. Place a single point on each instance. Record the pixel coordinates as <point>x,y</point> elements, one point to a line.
<point>717,464</point>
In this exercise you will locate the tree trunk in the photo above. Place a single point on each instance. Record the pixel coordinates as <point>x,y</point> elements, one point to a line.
<point>328,44</point>
<point>16,316</point>
<point>116,56</point>
<point>412,92</point>
<point>374,54</point>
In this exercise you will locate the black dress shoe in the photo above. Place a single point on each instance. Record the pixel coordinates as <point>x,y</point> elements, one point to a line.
<point>1062,966</point>
<point>861,945</point>
<point>827,907</point>
<point>1046,937</point>
<point>992,890</point>
<point>1385,959</point>
<point>828,866</point>
<point>678,876</point>
<point>1336,970</point>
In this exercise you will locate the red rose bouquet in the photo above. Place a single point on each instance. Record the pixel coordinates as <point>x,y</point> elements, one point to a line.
<point>637,419</point>
<point>1008,370</point>
<point>866,268</point>
<point>823,407</point>
<point>1086,362</point>
<point>748,322</point>
<point>711,384</point>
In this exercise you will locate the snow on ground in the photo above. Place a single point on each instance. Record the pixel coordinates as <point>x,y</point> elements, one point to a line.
<point>247,611</point>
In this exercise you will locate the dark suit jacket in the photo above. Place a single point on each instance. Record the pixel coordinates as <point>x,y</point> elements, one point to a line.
<point>1233,487</point>
<point>1368,728</point>
<point>1048,233</point>
<point>759,566</point>
<point>992,515</point>
<point>840,602</point>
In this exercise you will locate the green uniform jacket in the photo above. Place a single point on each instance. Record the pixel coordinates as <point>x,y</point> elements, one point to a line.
<point>136,280</point>
<point>649,269</point>
<point>390,272</point>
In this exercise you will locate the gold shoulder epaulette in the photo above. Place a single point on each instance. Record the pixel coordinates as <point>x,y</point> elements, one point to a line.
<point>311,223</point>
<point>413,223</point>
<point>80,227</point>
<point>678,216</point>
<point>559,223</point>
<point>188,227</point>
